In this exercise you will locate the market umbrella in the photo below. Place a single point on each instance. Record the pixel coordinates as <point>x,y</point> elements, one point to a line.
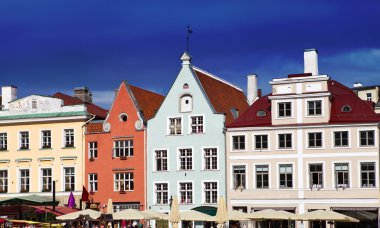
<point>132,214</point>
<point>221,216</point>
<point>235,215</point>
<point>192,215</point>
<point>71,201</point>
<point>156,214</point>
<point>270,214</point>
<point>322,215</point>
<point>109,207</point>
<point>174,213</point>
<point>88,212</point>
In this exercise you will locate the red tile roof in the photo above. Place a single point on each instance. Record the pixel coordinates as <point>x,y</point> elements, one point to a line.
<point>91,108</point>
<point>94,128</point>
<point>361,111</point>
<point>222,95</point>
<point>148,101</point>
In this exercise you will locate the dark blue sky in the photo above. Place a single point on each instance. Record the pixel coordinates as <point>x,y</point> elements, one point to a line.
<point>49,46</point>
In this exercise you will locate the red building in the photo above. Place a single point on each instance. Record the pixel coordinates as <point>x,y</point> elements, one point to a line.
<point>115,161</point>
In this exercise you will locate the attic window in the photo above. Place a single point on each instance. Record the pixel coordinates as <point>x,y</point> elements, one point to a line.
<point>346,108</point>
<point>185,86</point>
<point>186,102</point>
<point>123,117</point>
<point>261,113</point>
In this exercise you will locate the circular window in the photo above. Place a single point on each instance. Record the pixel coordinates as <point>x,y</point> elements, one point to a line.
<point>185,86</point>
<point>123,117</point>
<point>346,108</point>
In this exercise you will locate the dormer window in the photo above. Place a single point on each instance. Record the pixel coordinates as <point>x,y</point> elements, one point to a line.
<point>346,108</point>
<point>261,113</point>
<point>186,103</point>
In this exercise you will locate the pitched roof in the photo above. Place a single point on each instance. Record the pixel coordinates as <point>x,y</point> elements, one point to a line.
<point>148,101</point>
<point>91,108</point>
<point>223,95</point>
<point>94,128</point>
<point>361,111</point>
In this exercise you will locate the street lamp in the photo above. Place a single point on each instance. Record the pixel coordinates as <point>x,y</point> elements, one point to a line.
<point>170,201</point>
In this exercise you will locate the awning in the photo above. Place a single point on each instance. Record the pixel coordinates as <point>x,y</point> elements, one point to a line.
<point>291,209</point>
<point>206,210</point>
<point>354,208</point>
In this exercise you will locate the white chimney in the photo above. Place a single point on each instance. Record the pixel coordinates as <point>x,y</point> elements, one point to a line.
<point>8,94</point>
<point>311,61</point>
<point>358,84</point>
<point>251,88</point>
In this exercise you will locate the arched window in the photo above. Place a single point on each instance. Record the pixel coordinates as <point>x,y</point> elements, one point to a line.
<point>346,108</point>
<point>186,103</point>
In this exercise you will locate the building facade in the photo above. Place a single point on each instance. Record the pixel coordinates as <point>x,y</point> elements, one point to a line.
<point>310,144</point>
<point>186,152</point>
<point>115,159</point>
<point>41,141</point>
<point>369,93</point>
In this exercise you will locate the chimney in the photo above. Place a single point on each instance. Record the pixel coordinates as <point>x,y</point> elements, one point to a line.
<point>311,61</point>
<point>251,88</point>
<point>83,93</point>
<point>358,85</point>
<point>8,93</point>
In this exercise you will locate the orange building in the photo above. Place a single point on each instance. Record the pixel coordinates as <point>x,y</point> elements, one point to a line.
<point>115,159</point>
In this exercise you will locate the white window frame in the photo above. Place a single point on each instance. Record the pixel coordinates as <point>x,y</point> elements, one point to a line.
<point>254,141</point>
<point>181,98</point>
<point>204,158</point>
<point>368,98</point>
<point>179,191</point>
<point>92,183</point>
<point>255,176</point>
<point>42,139</point>
<point>293,175</point>
<point>245,142</point>
<point>155,192</point>
<point>20,140</point>
<point>231,187</point>
<point>307,108</point>
<point>375,135</point>
<point>126,146</point>
<point>322,138</point>
<point>4,141</point>
<point>64,179</point>
<point>324,183</point>
<point>349,173</point>
<point>277,103</point>
<point>125,179</point>
<point>204,191</point>
<point>19,180</point>
<point>64,144</point>
<point>92,151</point>
<point>168,125</point>
<point>190,124</point>
<point>359,174</point>
<point>155,159</point>
<point>41,184</point>
<point>333,139</point>
<point>179,158</point>
<point>7,180</point>
<point>293,140</point>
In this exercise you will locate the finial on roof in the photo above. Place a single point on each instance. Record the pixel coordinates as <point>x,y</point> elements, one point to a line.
<point>186,58</point>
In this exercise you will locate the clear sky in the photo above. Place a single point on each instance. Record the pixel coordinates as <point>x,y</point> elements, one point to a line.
<point>49,46</point>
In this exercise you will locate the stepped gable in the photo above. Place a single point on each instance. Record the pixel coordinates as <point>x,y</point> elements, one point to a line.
<point>91,108</point>
<point>148,101</point>
<point>361,111</point>
<point>222,95</point>
<point>250,118</point>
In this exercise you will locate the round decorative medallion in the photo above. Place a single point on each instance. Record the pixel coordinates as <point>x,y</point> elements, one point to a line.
<point>138,124</point>
<point>107,127</point>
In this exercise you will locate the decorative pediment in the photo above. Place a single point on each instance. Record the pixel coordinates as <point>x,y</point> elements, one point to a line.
<point>35,104</point>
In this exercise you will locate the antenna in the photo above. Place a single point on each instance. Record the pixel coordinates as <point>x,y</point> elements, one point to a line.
<point>189,31</point>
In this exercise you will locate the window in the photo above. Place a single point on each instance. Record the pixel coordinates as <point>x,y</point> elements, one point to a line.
<point>93,182</point>
<point>46,180</point>
<point>186,193</point>
<point>186,159</point>
<point>46,139</point>
<point>186,103</point>
<point>315,139</point>
<point>211,192</point>
<point>238,142</point>
<point>124,182</point>
<point>123,117</point>
<point>341,138</point>
<point>314,108</point>
<point>367,173</point>
<point>3,141</point>
<point>369,96</point>
<point>262,176</point>
<point>211,158</point>
<point>341,175</point>
<point>261,142</point>
<point>284,109</point>
<point>316,176</point>
<point>261,113</point>
<point>239,176</point>
<point>161,160</point>
<point>69,137</point>
<point>123,148</point>
<point>69,179</point>
<point>162,193</point>
<point>3,181</point>
<point>286,176</point>
<point>93,150</point>
<point>24,140</point>
<point>24,180</point>
<point>346,108</point>
<point>284,141</point>
<point>196,124</point>
<point>367,138</point>
<point>175,126</point>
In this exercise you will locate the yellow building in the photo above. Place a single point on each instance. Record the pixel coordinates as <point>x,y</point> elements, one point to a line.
<point>41,141</point>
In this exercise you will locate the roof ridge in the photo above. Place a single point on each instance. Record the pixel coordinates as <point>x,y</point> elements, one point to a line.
<point>217,78</point>
<point>145,90</point>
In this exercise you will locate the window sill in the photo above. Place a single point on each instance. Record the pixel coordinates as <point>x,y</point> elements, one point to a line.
<point>369,146</point>
<point>23,149</point>
<point>261,150</point>
<point>210,170</point>
<point>185,170</point>
<point>341,147</point>
<point>4,150</point>
<point>68,147</point>
<point>175,135</point>
<point>315,148</point>
<point>186,203</point>
<point>239,151</point>
<point>161,171</point>
<point>46,148</point>
<point>285,149</point>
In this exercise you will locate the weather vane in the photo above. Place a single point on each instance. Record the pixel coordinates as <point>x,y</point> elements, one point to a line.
<point>189,31</point>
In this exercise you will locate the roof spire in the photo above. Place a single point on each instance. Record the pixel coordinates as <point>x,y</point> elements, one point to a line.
<point>189,31</point>
<point>186,58</point>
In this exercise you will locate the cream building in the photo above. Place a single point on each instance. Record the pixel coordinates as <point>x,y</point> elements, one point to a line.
<point>310,144</point>
<point>41,141</point>
<point>369,93</point>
